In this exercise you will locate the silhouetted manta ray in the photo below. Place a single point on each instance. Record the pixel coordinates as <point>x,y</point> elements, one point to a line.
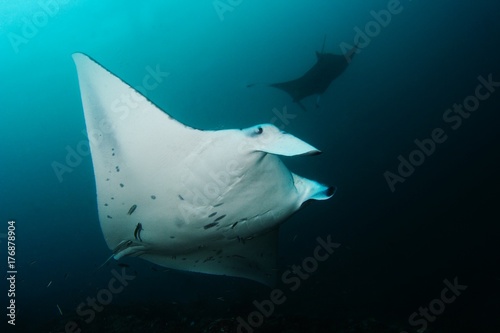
<point>317,79</point>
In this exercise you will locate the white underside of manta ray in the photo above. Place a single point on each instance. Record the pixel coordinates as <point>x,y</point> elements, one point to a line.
<point>201,201</point>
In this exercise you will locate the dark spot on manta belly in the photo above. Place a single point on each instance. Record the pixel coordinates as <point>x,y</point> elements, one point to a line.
<point>219,218</point>
<point>109,217</point>
<point>106,204</point>
<point>121,185</point>
<point>180,197</point>
<point>153,197</point>
<point>210,225</point>
<point>132,209</point>
<point>117,168</point>
<point>240,220</point>
<point>212,214</point>
<point>219,204</point>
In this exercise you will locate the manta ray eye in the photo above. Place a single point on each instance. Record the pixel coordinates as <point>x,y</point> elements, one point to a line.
<point>259,130</point>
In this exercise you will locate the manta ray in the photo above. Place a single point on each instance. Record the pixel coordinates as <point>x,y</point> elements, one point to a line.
<point>318,78</point>
<point>188,199</point>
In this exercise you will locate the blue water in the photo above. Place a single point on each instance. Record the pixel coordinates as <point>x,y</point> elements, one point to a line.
<point>397,246</point>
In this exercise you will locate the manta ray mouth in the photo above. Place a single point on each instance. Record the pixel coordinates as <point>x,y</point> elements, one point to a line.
<point>331,191</point>
<point>322,195</point>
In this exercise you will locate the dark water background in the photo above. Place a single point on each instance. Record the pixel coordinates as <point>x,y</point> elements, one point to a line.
<point>397,247</point>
